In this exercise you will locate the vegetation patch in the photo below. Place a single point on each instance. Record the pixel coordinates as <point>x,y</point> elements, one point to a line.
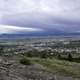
<point>59,66</point>
<point>25,61</point>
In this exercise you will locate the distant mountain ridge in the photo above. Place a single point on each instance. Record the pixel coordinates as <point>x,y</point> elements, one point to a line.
<point>48,33</point>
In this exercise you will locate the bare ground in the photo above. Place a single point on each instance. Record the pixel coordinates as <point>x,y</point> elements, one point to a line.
<point>31,72</point>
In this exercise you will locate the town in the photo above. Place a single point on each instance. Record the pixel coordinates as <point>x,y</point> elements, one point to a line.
<point>51,46</point>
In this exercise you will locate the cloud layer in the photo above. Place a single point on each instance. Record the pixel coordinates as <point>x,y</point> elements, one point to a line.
<point>14,29</point>
<point>43,14</point>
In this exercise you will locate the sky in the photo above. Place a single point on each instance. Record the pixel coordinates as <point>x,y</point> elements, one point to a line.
<point>39,15</point>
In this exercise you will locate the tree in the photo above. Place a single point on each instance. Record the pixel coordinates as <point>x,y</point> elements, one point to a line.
<point>29,54</point>
<point>59,56</point>
<point>1,51</point>
<point>70,58</point>
<point>43,55</point>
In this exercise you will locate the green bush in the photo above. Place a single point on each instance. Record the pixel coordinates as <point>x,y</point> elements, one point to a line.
<point>25,61</point>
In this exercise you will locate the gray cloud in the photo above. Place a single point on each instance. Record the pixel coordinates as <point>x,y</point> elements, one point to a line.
<point>44,14</point>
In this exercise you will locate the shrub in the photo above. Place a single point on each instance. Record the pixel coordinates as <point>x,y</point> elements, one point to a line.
<point>25,61</point>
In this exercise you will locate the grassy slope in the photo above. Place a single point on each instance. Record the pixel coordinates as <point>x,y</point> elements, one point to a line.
<point>59,67</point>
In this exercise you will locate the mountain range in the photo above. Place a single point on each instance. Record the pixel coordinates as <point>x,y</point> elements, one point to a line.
<point>44,33</point>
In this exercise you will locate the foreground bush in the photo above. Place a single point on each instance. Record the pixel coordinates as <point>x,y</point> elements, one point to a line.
<point>25,61</point>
